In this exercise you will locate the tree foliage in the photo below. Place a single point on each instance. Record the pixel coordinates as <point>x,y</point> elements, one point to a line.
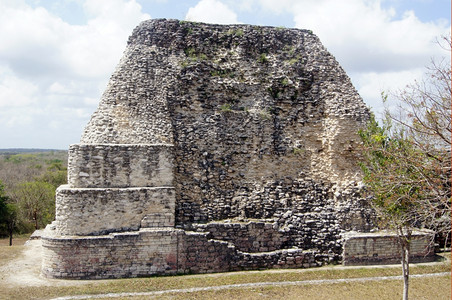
<point>407,160</point>
<point>8,215</point>
<point>36,202</point>
<point>22,172</point>
<point>56,175</point>
<point>410,186</point>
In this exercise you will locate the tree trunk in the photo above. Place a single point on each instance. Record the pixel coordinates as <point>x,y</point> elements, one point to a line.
<point>10,237</point>
<point>405,268</point>
<point>404,240</point>
<point>35,216</point>
<point>10,231</point>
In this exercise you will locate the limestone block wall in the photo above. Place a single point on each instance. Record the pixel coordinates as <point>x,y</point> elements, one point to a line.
<point>114,188</point>
<point>245,107</point>
<point>247,237</point>
<point>129,254</point>
<point>383,248</point>
<point>110,165</point>
<point>158,252</point>
<point>94,211</point>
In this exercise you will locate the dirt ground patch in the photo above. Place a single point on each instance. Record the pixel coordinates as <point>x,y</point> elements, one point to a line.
<point>25,267</point>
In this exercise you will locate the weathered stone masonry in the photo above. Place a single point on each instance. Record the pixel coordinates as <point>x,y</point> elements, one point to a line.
<point>213,148</point>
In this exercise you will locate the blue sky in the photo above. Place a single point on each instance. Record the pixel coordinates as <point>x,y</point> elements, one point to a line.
<point>56,56</point>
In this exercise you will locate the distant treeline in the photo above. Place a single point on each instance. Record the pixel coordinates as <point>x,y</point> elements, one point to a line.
<point>13,151</point>
<point>28,179</point>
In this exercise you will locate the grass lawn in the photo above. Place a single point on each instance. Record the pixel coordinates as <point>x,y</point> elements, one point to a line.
<point>7,252</point>
<point>420,288</point>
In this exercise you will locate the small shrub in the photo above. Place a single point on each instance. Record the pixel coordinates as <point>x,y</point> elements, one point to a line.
<point>263,58</point>
<point>297,151</point>
<point>192,56</point>
<point>190,52</point>
<point>265,114</point>
<point>226,107</point>
<point>222,73</point>
<point>275,93</point>
<point>239,32</point>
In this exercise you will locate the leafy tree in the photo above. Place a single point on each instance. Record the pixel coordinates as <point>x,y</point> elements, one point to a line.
<point>8,215</point>
<point>424,115</point>
<point>56,175</point>
<point>36,202</point>
<point>406,161</point>
<point>17,169</point>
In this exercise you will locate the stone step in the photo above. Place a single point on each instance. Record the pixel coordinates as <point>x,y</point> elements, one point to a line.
<point>95,211</point>
<point>120,165</point>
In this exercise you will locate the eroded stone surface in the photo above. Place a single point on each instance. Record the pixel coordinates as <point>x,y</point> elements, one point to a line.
<point>383,247</point>
<point>250,132</point>
<point>94,211</point>
<point>110,165</point>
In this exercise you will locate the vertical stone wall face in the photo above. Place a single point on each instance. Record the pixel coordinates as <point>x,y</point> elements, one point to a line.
<point>130,254</point>
<point>101,165</point>
<point>214,148</point>
<point>383,248</point>
<point>82,211</point>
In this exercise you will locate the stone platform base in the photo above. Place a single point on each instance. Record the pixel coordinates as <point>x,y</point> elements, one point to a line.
<point>157,251</point>
<point>169,251</point>
<point>382,248</point>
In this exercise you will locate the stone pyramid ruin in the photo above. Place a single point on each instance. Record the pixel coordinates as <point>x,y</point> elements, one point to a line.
<point>214,148</point>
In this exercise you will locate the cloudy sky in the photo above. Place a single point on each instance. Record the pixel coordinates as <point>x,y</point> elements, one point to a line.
<point>56,55</point>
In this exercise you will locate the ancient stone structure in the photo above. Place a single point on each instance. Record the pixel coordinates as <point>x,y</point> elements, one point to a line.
<point>213,148</point>
<point>382,247</point>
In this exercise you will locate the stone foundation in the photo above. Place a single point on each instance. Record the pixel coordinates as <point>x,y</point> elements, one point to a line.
<point>128,254</point>
<point>157,251</point>
<point>382,248</point>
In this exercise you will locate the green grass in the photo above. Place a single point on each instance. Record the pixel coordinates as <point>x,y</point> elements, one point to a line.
<point>263,58</point>
<point>420,289</point>
<point>425,288</point>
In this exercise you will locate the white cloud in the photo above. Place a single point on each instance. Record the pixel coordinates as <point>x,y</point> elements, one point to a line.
<point>15,91</point>
<point>363,36</point>
<point>50,70</point>
<point>372,83</point>
<point>211,11</point>
<point>36,40</point>
<point>100,44</point>
<point>54,71</point>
